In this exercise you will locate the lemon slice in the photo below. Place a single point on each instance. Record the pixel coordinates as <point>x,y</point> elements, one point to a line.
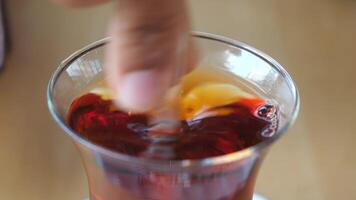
<point>209,95</point>
<point>104,92</point>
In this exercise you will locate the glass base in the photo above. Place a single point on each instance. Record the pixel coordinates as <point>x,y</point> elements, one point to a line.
<point>255,197</point>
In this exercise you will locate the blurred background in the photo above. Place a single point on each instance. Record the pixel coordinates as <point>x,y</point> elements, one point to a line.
<point>314,40</point>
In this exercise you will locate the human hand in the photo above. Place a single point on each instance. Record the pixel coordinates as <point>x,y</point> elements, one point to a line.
<point>150,49</point>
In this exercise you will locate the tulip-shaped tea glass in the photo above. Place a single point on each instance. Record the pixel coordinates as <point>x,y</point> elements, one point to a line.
<point>115,176</point>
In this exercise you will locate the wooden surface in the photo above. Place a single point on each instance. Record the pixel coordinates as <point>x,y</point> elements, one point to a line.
<point>314,40</point>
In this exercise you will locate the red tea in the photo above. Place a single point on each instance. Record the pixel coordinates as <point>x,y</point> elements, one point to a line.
<point>215,118</point>
<point>243,124</point>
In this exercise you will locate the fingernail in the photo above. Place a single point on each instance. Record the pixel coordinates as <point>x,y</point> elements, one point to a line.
<point>140,91</point>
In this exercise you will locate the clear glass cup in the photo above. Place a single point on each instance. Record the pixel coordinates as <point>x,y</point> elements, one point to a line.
<point>112,175</point>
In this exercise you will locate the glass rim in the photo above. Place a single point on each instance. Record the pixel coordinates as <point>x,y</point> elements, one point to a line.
<point>175,164</point>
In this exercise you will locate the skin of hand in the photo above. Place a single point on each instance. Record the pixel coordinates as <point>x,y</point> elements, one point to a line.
<point>150,49</point>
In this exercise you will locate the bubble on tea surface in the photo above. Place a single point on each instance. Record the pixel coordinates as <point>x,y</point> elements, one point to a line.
<point>269,112</point>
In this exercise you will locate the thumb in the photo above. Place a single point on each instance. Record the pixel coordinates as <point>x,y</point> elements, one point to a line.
<point>149,51</point>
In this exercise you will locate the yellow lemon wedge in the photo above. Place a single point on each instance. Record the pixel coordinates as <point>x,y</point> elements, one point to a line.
<point>209,95</point>
<point>104,92</point>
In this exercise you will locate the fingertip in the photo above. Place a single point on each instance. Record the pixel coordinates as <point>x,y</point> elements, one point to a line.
<point>140,91</point>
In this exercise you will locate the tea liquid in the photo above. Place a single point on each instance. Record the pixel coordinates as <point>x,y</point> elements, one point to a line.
<point>216,117</point>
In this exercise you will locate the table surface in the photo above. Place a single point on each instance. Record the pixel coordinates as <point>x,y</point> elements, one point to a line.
<point>314,40</point>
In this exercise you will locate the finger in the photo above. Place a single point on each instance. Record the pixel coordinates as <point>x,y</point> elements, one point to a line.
<point>150,49</point>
